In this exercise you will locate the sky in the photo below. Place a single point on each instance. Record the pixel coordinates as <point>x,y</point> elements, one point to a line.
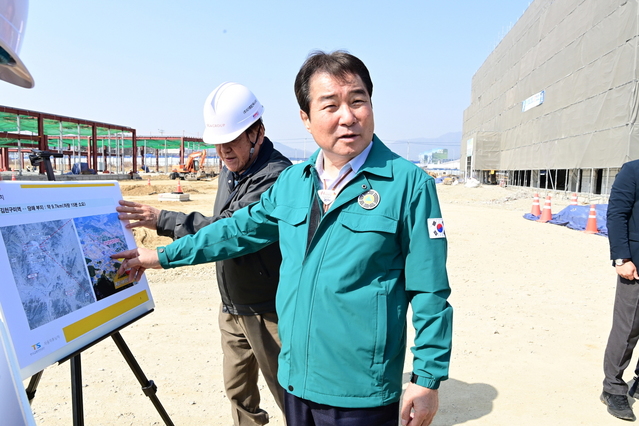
<point>150,65</point>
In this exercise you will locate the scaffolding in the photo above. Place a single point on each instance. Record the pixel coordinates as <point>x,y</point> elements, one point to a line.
<point>101,147</point>
<point>555,104</point>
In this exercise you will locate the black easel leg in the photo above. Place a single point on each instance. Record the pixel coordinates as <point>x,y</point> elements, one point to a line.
<point>33,385</point>
<point>76,391</point>
<point>148,387</point>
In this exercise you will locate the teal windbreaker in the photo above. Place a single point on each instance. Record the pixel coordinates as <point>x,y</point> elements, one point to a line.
<point>342,299</point>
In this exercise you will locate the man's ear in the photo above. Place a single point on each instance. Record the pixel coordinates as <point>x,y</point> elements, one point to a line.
<point>256,135</point>
<point>306,120</point>
<point>261,132</point>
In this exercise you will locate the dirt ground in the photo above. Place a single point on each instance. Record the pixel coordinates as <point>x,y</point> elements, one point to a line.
<point>533,307</point>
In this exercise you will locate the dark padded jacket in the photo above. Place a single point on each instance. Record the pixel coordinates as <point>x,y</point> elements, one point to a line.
<point>248,283</point>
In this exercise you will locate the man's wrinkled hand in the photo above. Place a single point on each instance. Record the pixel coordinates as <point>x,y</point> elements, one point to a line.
<point>138,214</point>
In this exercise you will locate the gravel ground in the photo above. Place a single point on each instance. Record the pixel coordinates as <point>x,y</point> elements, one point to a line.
<point>533,307</point>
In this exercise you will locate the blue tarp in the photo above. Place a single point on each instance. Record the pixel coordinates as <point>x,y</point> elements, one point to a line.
<point>81,168</point>
<point>576,217</point>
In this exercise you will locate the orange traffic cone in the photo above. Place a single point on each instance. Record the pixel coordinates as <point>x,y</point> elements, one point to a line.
<point>573,199</point>
<point>546,215</point>
<point>179,188</point>
<point>536,211</point>
<point>149,182</point>
<point>13,176</point>
<point>591,225</point>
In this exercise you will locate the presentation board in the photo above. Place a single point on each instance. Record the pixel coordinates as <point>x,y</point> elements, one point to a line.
<point>14,404</point>
<point>60,289</point>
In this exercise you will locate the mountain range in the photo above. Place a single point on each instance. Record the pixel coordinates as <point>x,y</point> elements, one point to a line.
<point>411,147</point>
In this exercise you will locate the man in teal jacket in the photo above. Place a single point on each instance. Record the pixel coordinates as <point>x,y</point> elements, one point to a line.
<point>361,236</point>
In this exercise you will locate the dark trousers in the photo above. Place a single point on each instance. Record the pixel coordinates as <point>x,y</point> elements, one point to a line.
<point>301,412</point>
<point>623,336</point>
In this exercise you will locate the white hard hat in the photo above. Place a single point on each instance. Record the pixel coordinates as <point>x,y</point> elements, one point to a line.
<point>13,17</point>
<point>229,110</point>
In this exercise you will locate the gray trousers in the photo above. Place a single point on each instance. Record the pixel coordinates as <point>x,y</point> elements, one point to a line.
<point>623,336</point>
<point>250,344</point>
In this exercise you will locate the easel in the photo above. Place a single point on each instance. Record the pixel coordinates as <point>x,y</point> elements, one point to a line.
<point>148,387</point>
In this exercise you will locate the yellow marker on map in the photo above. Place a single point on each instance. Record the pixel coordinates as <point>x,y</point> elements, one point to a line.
<point>122,280</point>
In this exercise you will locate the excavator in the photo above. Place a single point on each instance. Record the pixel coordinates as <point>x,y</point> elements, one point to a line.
<point>193,169</point>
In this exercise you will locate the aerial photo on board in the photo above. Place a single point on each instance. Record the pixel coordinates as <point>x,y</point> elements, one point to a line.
<point>101,236</point>
<point>61,266</point>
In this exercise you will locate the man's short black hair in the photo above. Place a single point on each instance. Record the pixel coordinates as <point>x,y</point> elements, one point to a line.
<point>339,64</point>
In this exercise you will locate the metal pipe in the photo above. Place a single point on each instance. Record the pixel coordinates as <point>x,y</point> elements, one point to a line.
<point>19,148</point>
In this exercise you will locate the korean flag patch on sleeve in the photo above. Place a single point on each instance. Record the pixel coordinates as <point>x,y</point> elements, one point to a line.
<point>436,227</point>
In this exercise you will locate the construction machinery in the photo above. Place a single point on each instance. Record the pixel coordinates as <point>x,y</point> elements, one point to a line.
<point>193,168</point>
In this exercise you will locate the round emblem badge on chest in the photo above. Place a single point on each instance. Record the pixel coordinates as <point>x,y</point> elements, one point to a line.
<point>369,199</point>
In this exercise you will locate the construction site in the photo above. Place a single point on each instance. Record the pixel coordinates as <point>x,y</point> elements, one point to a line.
<point>90,150</point>
<point>554,106</point>
<point>550,122</point>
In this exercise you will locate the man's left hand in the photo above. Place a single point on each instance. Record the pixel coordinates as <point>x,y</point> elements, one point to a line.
<point>419,405</point>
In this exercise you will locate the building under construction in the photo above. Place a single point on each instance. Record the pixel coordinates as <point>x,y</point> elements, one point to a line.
<point>88,146</point>
<point>555,105</point>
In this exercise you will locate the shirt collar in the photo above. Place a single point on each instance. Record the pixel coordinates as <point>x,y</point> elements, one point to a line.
<point>355,164</point>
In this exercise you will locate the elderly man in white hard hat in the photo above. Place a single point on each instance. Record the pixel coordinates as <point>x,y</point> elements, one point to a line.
<point>13,18</point>
<point>247,318</point>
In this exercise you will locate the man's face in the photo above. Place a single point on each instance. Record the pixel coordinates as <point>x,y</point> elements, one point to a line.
<point>236,154</point>
<point>341,117</point>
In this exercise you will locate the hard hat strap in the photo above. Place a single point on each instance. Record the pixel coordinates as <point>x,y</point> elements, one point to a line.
<point>257,137</point>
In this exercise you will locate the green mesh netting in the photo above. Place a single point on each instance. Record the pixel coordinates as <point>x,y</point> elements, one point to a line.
<point>113,138</point>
